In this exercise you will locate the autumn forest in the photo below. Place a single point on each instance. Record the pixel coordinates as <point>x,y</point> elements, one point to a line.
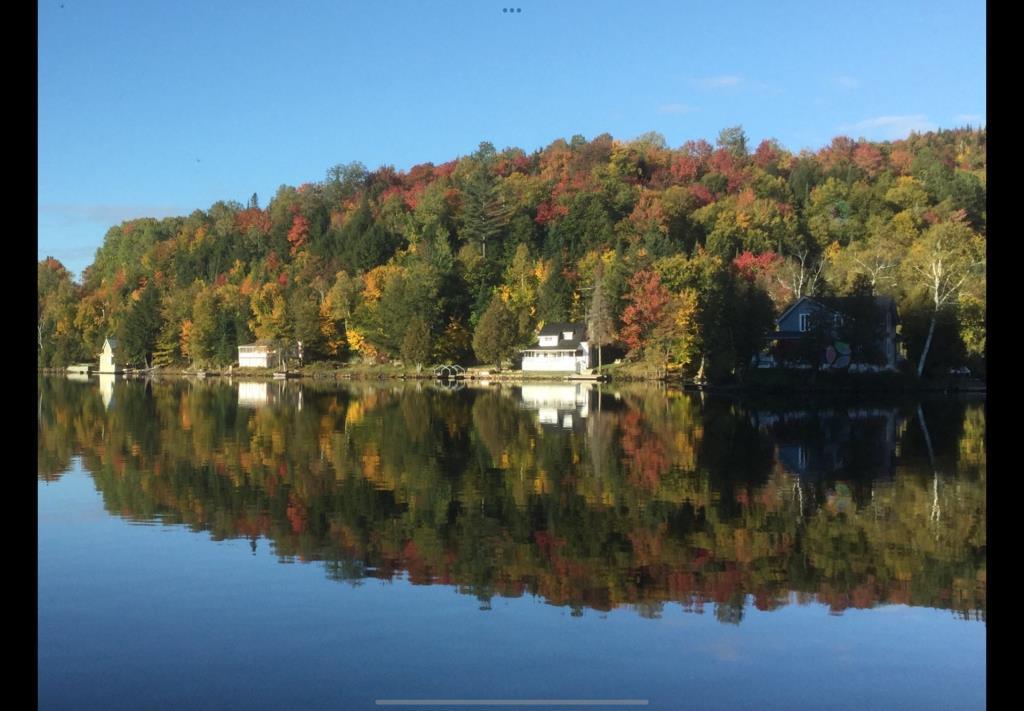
<point>680,257</point>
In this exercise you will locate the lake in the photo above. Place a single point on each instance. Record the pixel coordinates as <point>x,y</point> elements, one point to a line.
<point>258,545</point>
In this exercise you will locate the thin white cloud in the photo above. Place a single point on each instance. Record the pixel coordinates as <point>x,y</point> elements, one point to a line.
<point>890,127</point>
<point>718,82</point>
<point>969,118</point>
<point>106,214</point>
<point>675,109</point>
<point>848,82</point>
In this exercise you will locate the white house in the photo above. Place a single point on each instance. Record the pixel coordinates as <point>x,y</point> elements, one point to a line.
<point>561,348</point>
<point>108,358</point>
<point>261,354</point>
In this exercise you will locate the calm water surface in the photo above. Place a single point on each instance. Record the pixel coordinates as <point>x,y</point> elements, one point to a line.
<point>269,545</point>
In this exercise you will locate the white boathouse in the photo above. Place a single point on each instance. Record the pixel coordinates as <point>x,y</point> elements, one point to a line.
<point>261,354</point>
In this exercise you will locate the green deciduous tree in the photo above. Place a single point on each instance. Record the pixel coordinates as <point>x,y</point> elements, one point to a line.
<point>269,313</point>
<point>495,337</point>
<point>304,314</point>
<point>58,341</point>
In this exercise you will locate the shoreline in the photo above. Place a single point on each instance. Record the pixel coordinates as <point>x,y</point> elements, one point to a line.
<point>777,382</point>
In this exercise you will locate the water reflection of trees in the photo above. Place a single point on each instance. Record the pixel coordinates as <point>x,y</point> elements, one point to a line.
<point>652,497</point>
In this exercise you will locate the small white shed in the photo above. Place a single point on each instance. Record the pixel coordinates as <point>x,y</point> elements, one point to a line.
<point>261,354</point>
<point>108,358</point>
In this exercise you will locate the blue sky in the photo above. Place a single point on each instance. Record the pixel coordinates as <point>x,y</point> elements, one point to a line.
<point>155,108</point>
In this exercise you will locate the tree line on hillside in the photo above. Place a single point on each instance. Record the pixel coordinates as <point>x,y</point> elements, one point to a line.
<point>675,255</point>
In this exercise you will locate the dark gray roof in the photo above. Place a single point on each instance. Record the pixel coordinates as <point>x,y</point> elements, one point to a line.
<point>579,332</point>
<point>841,304</point>
<point>559,327</point>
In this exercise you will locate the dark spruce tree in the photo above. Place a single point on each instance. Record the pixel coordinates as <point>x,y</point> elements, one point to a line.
<point>140,328</point>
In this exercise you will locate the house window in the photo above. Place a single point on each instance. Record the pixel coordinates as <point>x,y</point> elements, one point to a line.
<point>567,335</point>
<point>837,319</point>
<point>805,322</point>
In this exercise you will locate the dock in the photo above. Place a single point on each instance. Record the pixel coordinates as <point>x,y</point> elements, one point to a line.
<point>588,377</point>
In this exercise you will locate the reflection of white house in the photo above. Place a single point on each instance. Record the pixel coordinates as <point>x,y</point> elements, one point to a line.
<point>563,397</point>
<point>108,357</point>
<point>557,404</point>
<point>561,348</point>
<point>252,394</point>
<point>107,388</point>
<point>261,354</point>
